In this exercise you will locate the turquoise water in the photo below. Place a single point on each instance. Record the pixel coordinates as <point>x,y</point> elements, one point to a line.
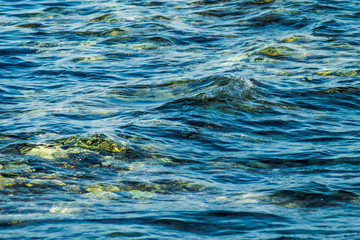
<point>179,119</point>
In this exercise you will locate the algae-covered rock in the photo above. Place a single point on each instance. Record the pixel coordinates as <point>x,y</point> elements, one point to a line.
<point>166,186</point>
<point>261,59</point>
<point>30,25</point>
<point>111,33</point>
<point>84,151</point>
<point>102,188</point>
<point>276,52</point>
<point>140,195</point>
<point>330,90</point>
<point>349,73</point>
<point>103,18</point>
<point>259,2</point>
<point>88,59</point>
<point>206,2</point>
<point>170,186</point>
<point>262,1</point>
<point>30,15</point>
<point>306,79</point>
<point>159,18</point>
<point>96,142</point>
<point>309,199</point>
<point>343,90</point>
<point>295,38</point>
<point>20,148</point>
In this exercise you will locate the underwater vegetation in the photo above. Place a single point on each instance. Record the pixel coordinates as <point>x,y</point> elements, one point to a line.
<point>83,153</point>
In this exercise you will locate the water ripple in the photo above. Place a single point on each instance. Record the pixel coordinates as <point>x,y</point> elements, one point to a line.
<point>179,119</point>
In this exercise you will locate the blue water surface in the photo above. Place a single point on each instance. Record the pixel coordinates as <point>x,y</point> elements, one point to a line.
<point>179,119</point>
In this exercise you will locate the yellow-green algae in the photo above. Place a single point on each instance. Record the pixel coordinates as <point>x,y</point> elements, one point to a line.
<point>347,90</point>
<point>350,73</point>
<point>295,38</point>
<point>30,25</point>
<point>262,1</point>
<point>104,18</point>
<point>89,59</point>
<point>139,190</point>
<point>277,52</point>
<point>97,142</point>
<point>19,175</point>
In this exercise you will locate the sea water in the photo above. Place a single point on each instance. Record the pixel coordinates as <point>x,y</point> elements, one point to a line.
<point>179,119</point>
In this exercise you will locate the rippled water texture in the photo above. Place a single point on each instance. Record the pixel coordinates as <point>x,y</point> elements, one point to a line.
<point>179,119</point>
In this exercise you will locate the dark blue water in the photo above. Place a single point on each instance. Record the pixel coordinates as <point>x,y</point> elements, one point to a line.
<point>179,119</point>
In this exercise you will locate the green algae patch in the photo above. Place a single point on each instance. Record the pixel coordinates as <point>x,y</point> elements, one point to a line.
<point>306,79</point>
<point>350,73</point>
<point>259,2</point>
<point>102,188</point>
<point>21,148</point>
<point>140,190</point>
<point>110,33</point>
<point>104,195</point>
<point>262,1</point>
<point>88,59</point>
<point>140,195</point>
<point>30,25</point>
<point>169,186</point>
<point>343,90</point>
<point>324,73</point>
<point>295,38</point>
<point>30,15</point>
<point>114,32</point>
<point>96,142</point>
<point>48,152</point>
<point>330,91</point>
<point>276,52</point>
<point>104,18</point>
<point>83,151</point>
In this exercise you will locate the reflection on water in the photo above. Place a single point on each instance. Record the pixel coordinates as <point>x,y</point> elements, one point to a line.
<point>179,119</point>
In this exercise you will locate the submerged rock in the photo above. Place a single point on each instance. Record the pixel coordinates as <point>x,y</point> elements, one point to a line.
<point>103,18</point>
<point>305,199</point>
<point>344,90</point>
<point>20,148</point>
<point>30,25</point>
<point>167,186</point>
<point>276,52</point>
<point>96,142</point>
<point>295,38</point>
<point>350,73</point>
<point>262,1</point>
<point>89,59</point>
<point>63,148</point>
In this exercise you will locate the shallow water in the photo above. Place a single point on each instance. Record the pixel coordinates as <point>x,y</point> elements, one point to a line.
<point>179,119</point>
